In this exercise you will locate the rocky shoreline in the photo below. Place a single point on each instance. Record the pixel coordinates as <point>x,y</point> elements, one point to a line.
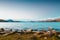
<point>31,34</point>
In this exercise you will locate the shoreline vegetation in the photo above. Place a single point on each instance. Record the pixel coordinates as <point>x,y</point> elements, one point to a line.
<point>29,34</point>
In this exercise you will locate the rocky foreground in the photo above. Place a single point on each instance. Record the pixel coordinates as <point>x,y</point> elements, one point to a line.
<point>29,34</point>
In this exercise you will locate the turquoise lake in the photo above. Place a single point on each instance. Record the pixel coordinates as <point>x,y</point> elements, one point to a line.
<point>31,25</point>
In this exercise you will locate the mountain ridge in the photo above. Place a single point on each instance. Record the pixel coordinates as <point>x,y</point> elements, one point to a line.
<point>47,20</point>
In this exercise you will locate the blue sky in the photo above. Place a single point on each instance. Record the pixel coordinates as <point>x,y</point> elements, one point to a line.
<point>31,10</point>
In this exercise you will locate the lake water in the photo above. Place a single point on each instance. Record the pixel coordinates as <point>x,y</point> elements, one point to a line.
<point>31,25</point>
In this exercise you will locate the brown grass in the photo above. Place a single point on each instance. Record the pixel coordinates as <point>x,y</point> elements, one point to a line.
<point>18,36</point>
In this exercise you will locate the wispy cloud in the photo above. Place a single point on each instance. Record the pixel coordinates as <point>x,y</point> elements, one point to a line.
<point>32,10</point>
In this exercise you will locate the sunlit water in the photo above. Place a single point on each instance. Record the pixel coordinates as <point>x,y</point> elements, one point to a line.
<point>31,25</point>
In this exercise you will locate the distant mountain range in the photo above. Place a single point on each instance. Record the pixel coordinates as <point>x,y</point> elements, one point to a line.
<point>10,20</point>
<point>52,20</point>
<point>48,20</point>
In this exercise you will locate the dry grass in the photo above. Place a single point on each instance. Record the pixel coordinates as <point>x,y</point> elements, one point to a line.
<point>18,36</point>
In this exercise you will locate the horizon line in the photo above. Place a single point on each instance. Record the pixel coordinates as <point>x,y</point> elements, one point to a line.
<point>31,19</point>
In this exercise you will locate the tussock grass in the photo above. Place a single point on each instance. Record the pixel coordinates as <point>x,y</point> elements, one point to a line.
<point>18,36</point>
